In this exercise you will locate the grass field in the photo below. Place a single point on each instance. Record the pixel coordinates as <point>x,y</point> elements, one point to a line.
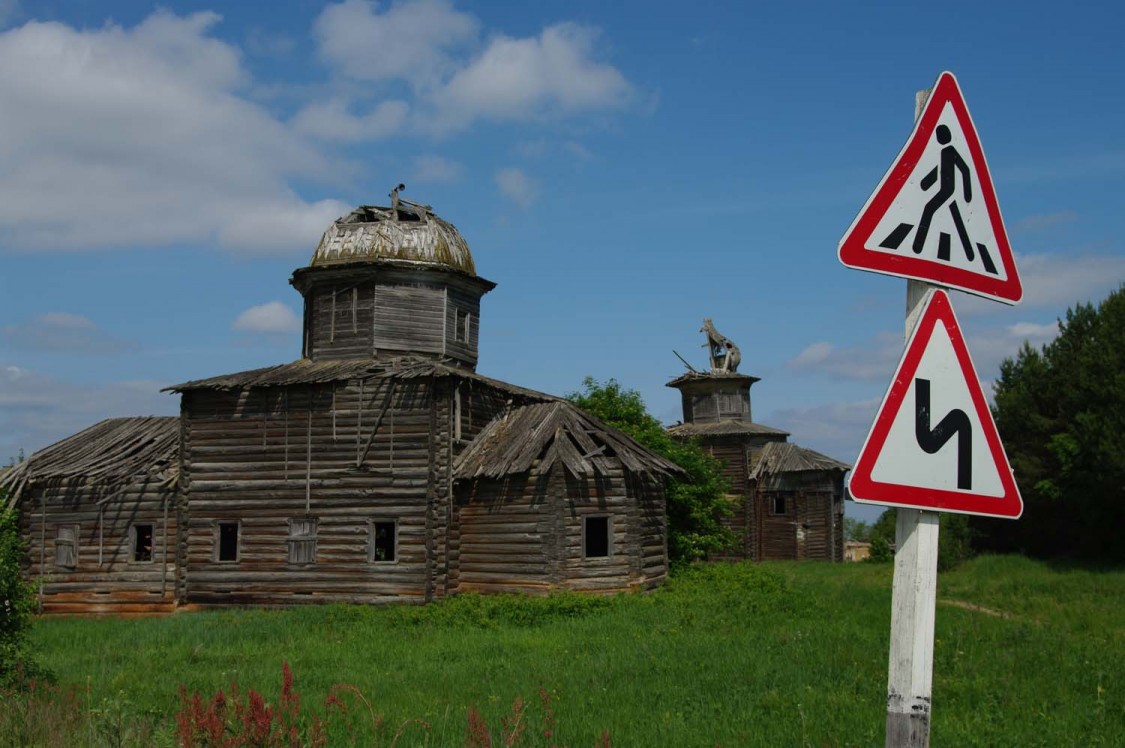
<point>732,655</point>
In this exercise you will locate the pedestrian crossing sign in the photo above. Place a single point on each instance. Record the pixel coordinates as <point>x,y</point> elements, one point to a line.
<point>934,216</point>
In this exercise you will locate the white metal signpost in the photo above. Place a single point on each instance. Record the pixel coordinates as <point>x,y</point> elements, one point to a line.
<point>933,219</point>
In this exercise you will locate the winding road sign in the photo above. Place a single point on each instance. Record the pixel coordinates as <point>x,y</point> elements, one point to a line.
<point>933,444</point>
<point>934,216</point>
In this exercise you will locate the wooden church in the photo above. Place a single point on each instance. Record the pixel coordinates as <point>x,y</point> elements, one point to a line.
<point>788,500</point>
<point>380,466</point>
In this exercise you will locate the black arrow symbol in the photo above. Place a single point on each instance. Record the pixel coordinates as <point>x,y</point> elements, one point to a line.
<point>956,423</point>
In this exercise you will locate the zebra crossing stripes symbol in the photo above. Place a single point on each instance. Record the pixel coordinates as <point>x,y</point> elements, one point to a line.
<point>945,175</point>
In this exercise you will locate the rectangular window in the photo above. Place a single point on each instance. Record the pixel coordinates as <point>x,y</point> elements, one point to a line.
<point>141,540</point>
<point>226,541</point>
<point>66,546</point>
<point>777,505</point>
<point>302,541</point>
<point>384,541</point>
<point>596,537</point>
<point>464,322</point>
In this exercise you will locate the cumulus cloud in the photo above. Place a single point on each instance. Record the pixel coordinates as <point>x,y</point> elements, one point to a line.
<point>836,429</point>
<point>1035,224</point>
<point>272,318</point>
<point>870,360</point>
<point>37,410</point>
<point>436,170</point>
<point>143,136</point>
<point>436,52</point>
<point>521,79</point>
<point>332,120</point>
<point>62,332</point>
<point>1056,281</point>
<point>412,41</point>
<point>517,187</point>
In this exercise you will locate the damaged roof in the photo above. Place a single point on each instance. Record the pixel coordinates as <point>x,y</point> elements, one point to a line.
<point>307,371</point>
<point>555,432</point>
<point>408,232</point>
<point>784,457</point>
<point>724,428</point>
<point>108,454</point>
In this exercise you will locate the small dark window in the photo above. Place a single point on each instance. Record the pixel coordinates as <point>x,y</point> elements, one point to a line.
<point>142,542</point>
<point>302,541</point>
<point>595,537</point>
<point>778,504</point>
<point>228,541</point>
<point>384,539</point>
<point>66,546</point>
<point>461,332</point>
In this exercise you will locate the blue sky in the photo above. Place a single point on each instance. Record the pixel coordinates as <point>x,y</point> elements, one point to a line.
<point>621,170</point>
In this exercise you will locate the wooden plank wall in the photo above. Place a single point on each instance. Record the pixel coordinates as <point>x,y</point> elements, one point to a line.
<point>525,533</point>
<point>265,456</point>
<point>369,319</point>
<point>341,323</point>
<point>105,578</point>
<point>508,539</point>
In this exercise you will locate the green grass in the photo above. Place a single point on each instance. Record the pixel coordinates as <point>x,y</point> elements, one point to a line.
<point>770,655</point>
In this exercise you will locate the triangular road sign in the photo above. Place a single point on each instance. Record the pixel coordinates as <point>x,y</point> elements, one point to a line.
<point>934,216</point>
<point>934,444</point>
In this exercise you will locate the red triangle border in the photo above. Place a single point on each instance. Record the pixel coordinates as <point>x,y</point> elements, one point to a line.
<point>864,489</point>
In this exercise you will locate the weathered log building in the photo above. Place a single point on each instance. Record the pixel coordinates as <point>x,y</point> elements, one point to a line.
<point>788,500</point>
<point>377,467</point>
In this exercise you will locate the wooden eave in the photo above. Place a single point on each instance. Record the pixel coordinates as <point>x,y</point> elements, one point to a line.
<point>107,455</point>
<point>785,457</point>
<point>555,432</point>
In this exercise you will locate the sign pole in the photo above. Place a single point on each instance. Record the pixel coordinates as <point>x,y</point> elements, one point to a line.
<point>914,596</point>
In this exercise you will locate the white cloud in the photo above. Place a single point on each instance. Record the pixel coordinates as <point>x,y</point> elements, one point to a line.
<point>1035,224</point>
<point>409,40</point>
<point>142,136</point>
<point>37,410</point>
<point>814,353</point>
<point>331,120</point>
<point>871,360</point>
<point>1056,281</point>
<point>62,332</point>
<point>534,77</point>
<point>836,429</point>
<point>272,318</point>
<point>435,169</point>
<point>517,187</point>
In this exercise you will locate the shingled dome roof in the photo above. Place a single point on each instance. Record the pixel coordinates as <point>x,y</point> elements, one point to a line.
<point>409,232</point>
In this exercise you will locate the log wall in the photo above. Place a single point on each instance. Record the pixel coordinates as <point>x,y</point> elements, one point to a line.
<point>263,457</point>
<point>525,533</point>
<point>401,315</point>
<point>104,576</point>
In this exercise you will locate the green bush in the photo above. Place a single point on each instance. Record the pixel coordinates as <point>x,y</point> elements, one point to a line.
<point>17,600</point>
<point>697,502</point>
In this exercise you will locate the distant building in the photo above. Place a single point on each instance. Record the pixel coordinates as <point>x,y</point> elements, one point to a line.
<point>377,467</point>
<point>788,500</point>
<point>857,550</point>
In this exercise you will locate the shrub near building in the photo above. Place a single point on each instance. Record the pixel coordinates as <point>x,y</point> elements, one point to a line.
<point>16,598</point>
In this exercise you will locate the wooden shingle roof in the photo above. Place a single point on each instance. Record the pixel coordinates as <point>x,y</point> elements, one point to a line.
<point>724,428</point>
<point>553,432</point>
<point>108,454</point>
<point>784,457</point>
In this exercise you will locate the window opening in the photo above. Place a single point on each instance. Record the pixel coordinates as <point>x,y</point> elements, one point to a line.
<point>228,541</point>
<point>302,541</point>
<point>384,540</point>
<point>66,546</point>
<point>461,331</point>
<point>595,537</point>
<point>778,506</point>
<point>142,543</point>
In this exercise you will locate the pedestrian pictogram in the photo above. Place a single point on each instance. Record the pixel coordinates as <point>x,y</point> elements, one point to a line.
<point>934,216</point>
<point>933,444</point>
